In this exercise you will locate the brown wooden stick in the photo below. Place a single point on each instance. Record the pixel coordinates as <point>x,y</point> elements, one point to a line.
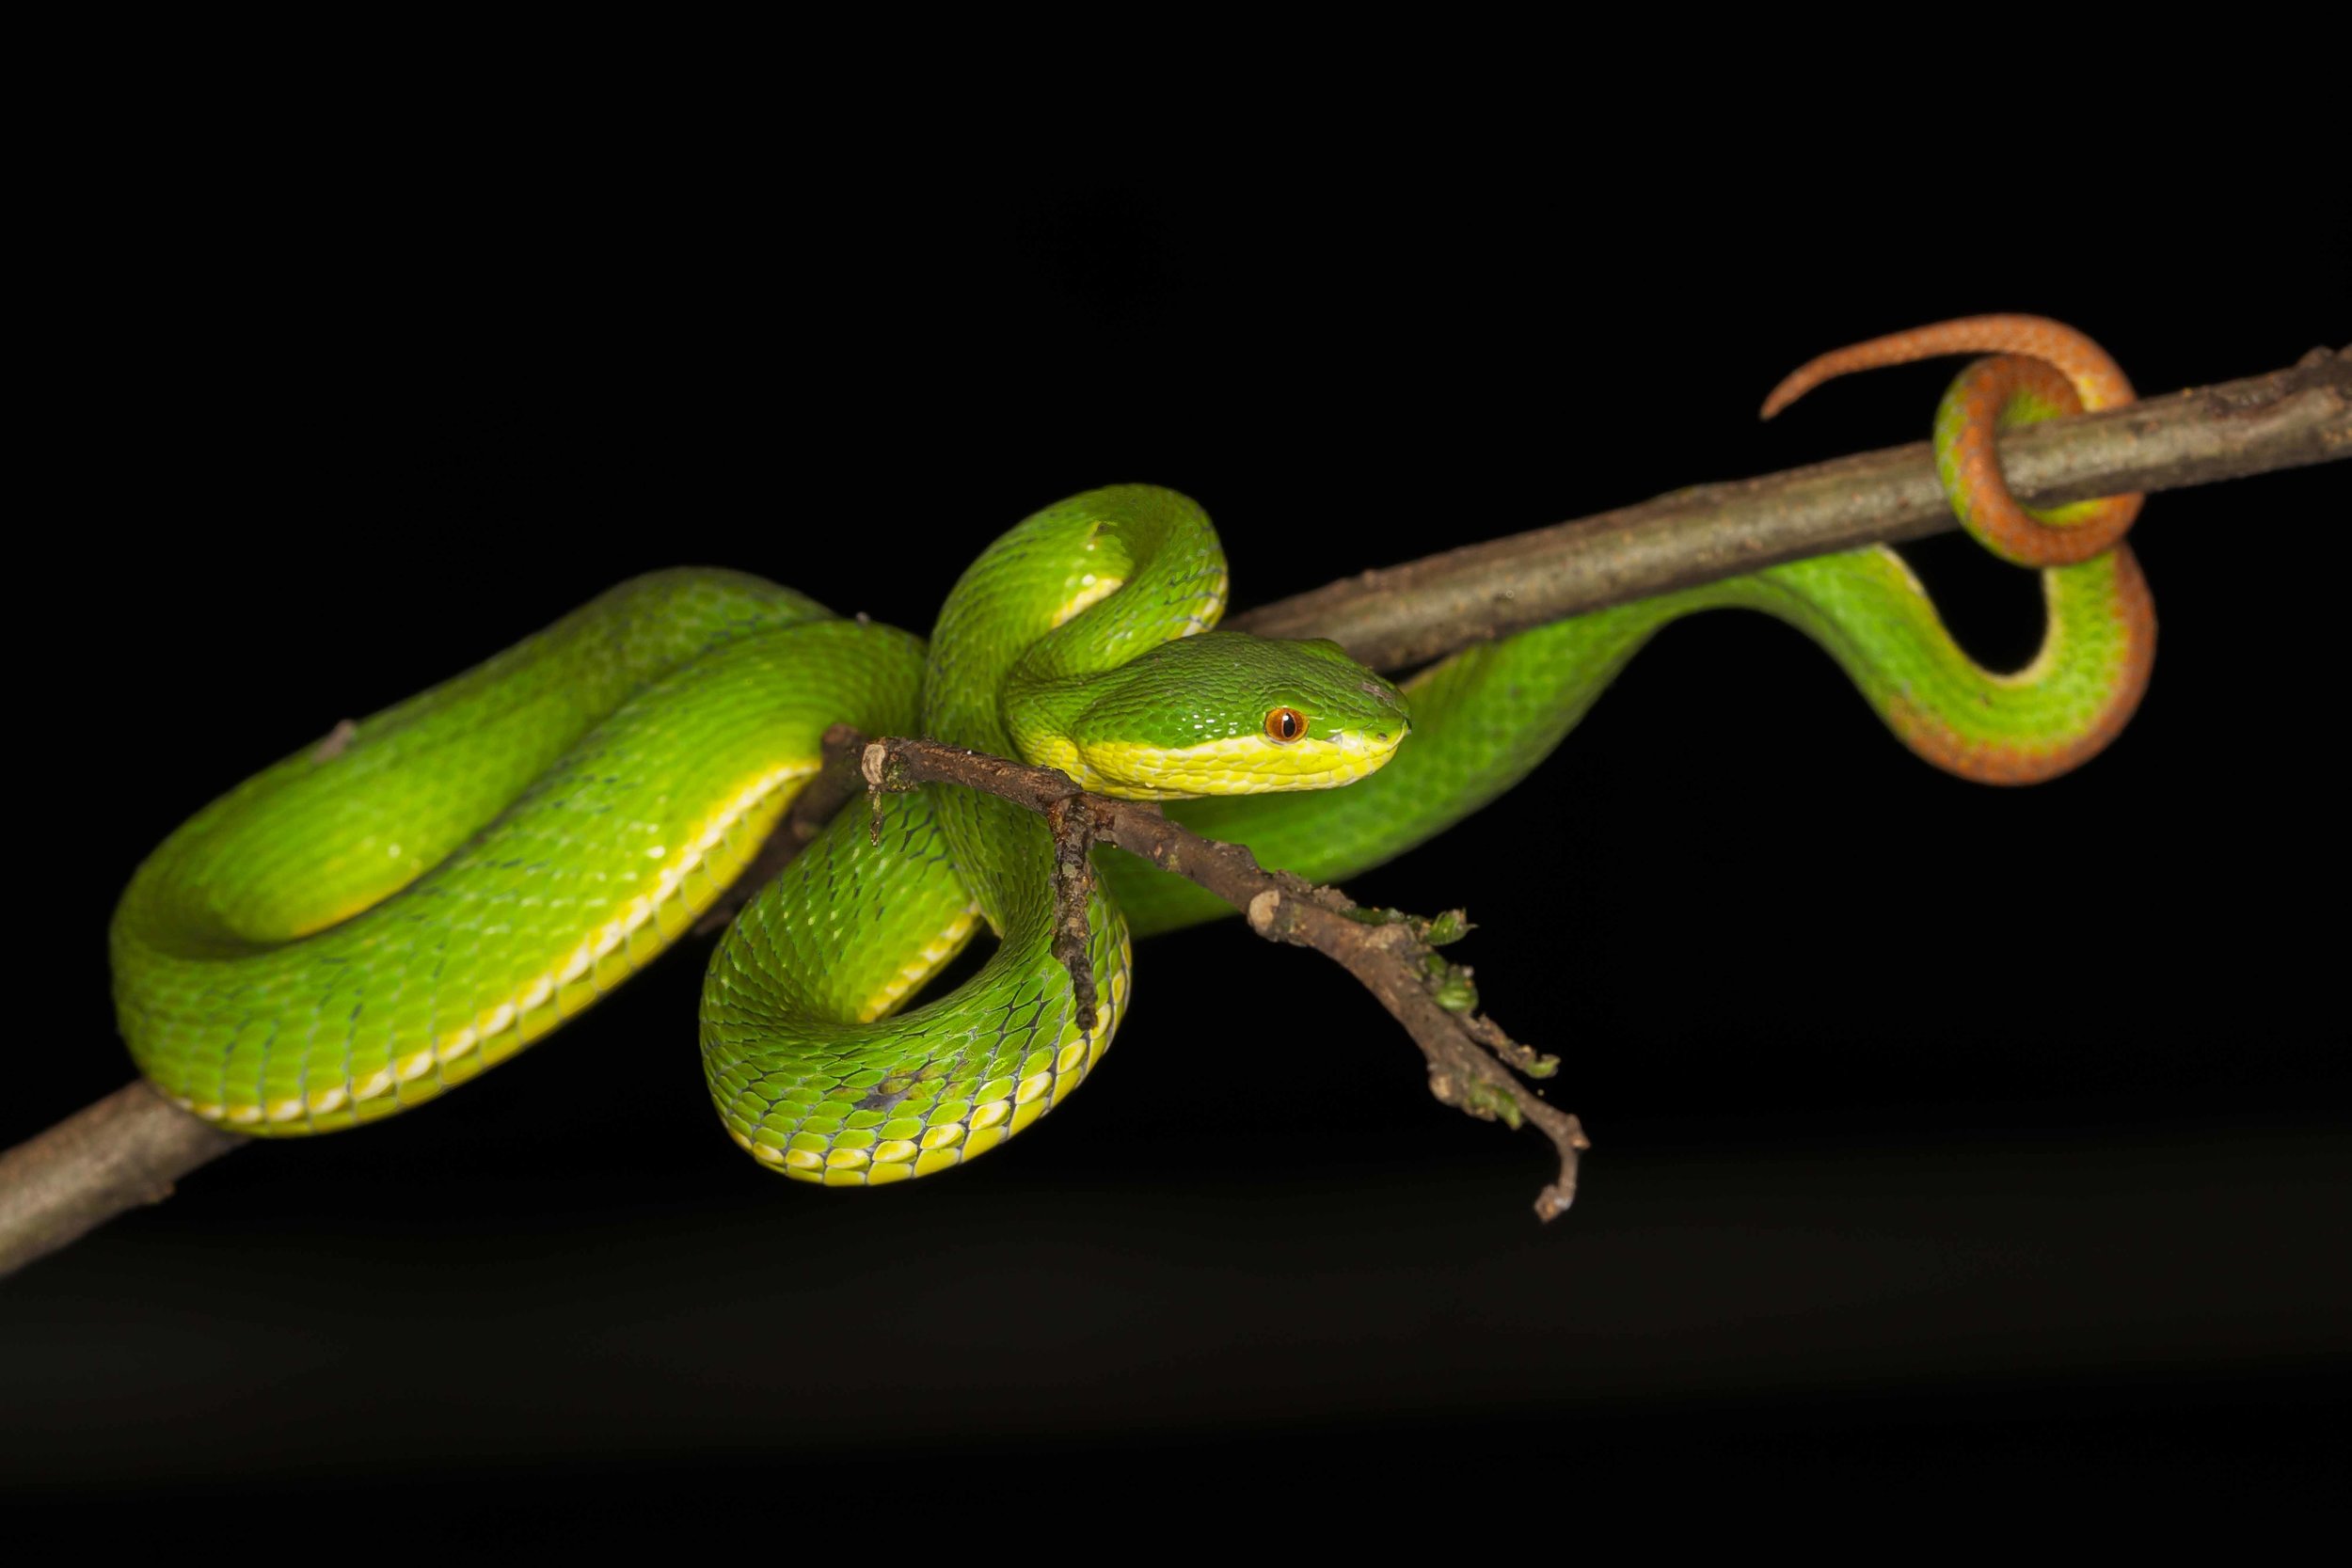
<point>57,1186</point>
<point>1399,616</point>
<point>126,1150</point>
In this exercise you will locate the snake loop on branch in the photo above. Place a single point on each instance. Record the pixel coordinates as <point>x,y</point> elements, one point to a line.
<point>374,920</point>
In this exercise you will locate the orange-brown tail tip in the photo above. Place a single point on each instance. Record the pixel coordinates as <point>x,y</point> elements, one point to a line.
<point>1789,390</point>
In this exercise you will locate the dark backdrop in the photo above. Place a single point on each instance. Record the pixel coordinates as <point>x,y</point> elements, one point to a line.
<point>1945,1136</point>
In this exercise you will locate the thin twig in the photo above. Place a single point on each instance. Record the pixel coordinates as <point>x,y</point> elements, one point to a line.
<point>1394,956</point>
<point>57,1185</point>
<point>1073,878</point>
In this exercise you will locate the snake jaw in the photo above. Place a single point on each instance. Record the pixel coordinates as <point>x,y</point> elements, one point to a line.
<point>1234,764</point>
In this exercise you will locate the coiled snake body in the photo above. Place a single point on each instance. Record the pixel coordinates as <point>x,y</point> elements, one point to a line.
<point>380,917</point>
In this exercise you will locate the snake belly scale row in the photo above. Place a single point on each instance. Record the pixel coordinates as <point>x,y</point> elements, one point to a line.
<point>382,916</point>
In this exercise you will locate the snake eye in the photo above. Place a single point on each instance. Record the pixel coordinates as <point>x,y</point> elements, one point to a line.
<point>1285,725</point>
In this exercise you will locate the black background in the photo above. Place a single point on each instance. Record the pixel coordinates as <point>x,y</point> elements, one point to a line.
<point>1947,1139</point>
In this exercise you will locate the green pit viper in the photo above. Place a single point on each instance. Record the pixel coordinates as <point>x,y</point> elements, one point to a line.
<point>382,916</point>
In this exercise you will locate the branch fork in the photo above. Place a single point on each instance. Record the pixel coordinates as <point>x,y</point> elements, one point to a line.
<point>1475,1065</point>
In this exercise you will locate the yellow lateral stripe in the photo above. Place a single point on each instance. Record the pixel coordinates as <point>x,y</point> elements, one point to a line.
<point>487,1032</point>
<point>1092,589</point>
<point>937,951</point>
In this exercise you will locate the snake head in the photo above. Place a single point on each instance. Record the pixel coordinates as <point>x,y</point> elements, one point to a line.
<point>1223,713</point>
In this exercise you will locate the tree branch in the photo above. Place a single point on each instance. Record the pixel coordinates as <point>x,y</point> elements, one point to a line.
<point>130,1147</point>
<point>1399,616</point>
<point>1393,955</point>
<point>125,1150</point>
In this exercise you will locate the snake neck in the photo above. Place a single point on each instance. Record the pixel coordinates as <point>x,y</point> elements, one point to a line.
<point>1046,599</point>
<point>1081,587</point>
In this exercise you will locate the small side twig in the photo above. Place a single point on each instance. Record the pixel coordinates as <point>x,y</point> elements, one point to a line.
<point>1472,1060</point>
<point>1073,878</point>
